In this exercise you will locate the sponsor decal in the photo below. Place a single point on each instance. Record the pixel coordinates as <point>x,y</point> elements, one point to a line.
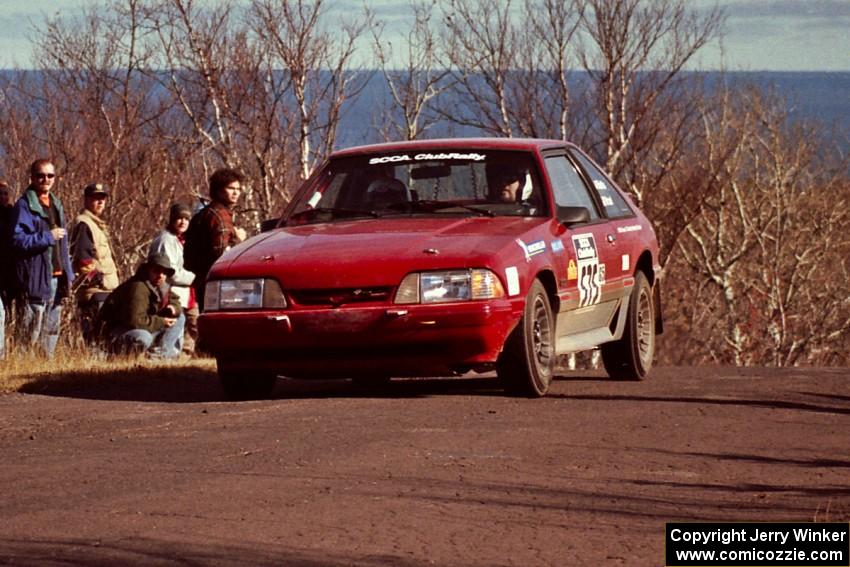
<point>512,277</point>
<point>626,262</point>
<point>427,157</point>
<point>607,201</point>
<point>630,228</point>
<point>533,249</point>
<point>591,276</point>
<point>314,200</point>
<point>557,246</point>
<point>599,184</point>
<point>572,271</point>
<point>536,247</point>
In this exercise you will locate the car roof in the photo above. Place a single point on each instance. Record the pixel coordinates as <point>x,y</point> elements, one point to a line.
<point>524,144</point>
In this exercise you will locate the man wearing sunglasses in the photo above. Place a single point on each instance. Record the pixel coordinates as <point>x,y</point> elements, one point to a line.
<point>42,263</point>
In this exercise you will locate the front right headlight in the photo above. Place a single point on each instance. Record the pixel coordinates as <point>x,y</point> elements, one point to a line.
<point>243,294</point>
<point>449,285</point>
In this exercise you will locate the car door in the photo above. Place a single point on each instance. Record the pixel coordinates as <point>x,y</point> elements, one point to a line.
<point>623,224</point>
<point>589,301</point>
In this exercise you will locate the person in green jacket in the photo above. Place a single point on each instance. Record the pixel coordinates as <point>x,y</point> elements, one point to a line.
<point>143,315</point>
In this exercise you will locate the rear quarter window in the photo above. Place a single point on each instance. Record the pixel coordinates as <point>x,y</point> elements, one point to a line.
<point>613,202</point>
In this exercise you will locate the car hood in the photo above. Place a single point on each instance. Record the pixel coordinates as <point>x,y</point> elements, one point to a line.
<point>373,252</point>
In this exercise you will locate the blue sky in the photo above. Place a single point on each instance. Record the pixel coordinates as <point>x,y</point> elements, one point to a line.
<point>779,35</point>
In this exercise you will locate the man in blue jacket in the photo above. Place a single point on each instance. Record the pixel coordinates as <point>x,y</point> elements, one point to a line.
<point>43,270</point>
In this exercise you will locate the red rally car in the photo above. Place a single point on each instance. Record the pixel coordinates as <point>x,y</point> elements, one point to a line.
<point>435,258</point>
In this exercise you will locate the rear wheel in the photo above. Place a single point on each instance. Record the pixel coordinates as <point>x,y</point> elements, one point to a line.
<point>526,364</point>
<point>245,384</point>
<point>630,358</point>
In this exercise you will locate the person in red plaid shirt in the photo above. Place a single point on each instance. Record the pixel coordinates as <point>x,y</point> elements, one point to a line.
<point>211,231</point>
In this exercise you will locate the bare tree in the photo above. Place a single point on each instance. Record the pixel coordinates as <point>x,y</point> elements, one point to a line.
<point>511,65</point>
<point>545,59</point>
<point>769,248</point>
<point>230,100</point>
<point>480,47</point>
<point>96,109</point>
<point>195,49</point>
<point>317,64</point>
<point>634,54</point>
<point>414,87</point>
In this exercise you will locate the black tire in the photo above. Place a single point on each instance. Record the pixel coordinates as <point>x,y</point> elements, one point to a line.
<point>630,358</point>
<point>527,362</point>
<point>240,385</point>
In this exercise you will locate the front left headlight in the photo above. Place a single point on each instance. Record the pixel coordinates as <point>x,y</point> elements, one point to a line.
<point>448,286</point>
<point>258,293</point>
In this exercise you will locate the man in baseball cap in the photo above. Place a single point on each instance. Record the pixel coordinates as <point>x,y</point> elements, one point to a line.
<point>93,189</point>
<point>92,258</point>
<point>143,316</point>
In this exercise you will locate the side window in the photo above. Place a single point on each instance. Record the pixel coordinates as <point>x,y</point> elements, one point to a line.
<point>614,203</point>
<point>567,185</point>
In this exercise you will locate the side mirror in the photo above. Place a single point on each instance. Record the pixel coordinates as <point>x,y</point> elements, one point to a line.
<point>268,224</point>
<point>573,215</point>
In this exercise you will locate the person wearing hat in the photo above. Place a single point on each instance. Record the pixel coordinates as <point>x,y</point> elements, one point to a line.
<point>92,259</point>
<point>170,243</point>
<point>43,272</point>
<point>142,315</point>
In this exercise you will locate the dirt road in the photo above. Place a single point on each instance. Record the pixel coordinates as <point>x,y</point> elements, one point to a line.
<point>144,471</point>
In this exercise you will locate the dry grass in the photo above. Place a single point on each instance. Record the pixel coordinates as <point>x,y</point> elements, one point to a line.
<point>77,372</point>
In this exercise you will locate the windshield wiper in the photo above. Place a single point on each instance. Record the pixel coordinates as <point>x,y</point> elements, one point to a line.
<point>431,206</point>
<point>334,212</point>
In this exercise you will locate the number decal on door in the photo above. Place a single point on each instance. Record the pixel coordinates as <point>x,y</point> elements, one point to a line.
<point>589,273</point>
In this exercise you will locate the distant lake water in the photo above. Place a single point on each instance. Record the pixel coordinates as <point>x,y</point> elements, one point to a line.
<point>812,96</point>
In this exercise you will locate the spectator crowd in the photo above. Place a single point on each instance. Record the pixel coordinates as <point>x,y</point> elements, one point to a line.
<point>49,262</point>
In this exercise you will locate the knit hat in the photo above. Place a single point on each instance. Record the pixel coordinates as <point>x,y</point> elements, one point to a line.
<point>179,211</point>
<point>161,261</point>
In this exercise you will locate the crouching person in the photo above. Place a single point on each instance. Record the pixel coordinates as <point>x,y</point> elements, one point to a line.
<point>142,315</point>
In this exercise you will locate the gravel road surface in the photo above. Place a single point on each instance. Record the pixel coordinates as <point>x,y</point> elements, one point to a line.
<point>142,470</point>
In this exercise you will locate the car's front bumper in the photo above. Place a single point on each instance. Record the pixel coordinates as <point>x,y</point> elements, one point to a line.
<point>402,340</point>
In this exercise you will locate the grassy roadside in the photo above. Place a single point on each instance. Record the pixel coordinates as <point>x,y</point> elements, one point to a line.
<point>25,373</point>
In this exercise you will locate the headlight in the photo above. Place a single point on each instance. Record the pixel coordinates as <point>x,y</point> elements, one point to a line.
<point>261,293</point>
<point>447,286</point>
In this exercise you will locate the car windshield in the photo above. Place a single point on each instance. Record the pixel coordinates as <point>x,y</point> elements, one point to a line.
<point>434,183</point>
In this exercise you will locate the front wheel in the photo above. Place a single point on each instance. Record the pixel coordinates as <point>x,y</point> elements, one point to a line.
<point>526,364</point>
<point>245,384</point>
<point>630,358</point>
